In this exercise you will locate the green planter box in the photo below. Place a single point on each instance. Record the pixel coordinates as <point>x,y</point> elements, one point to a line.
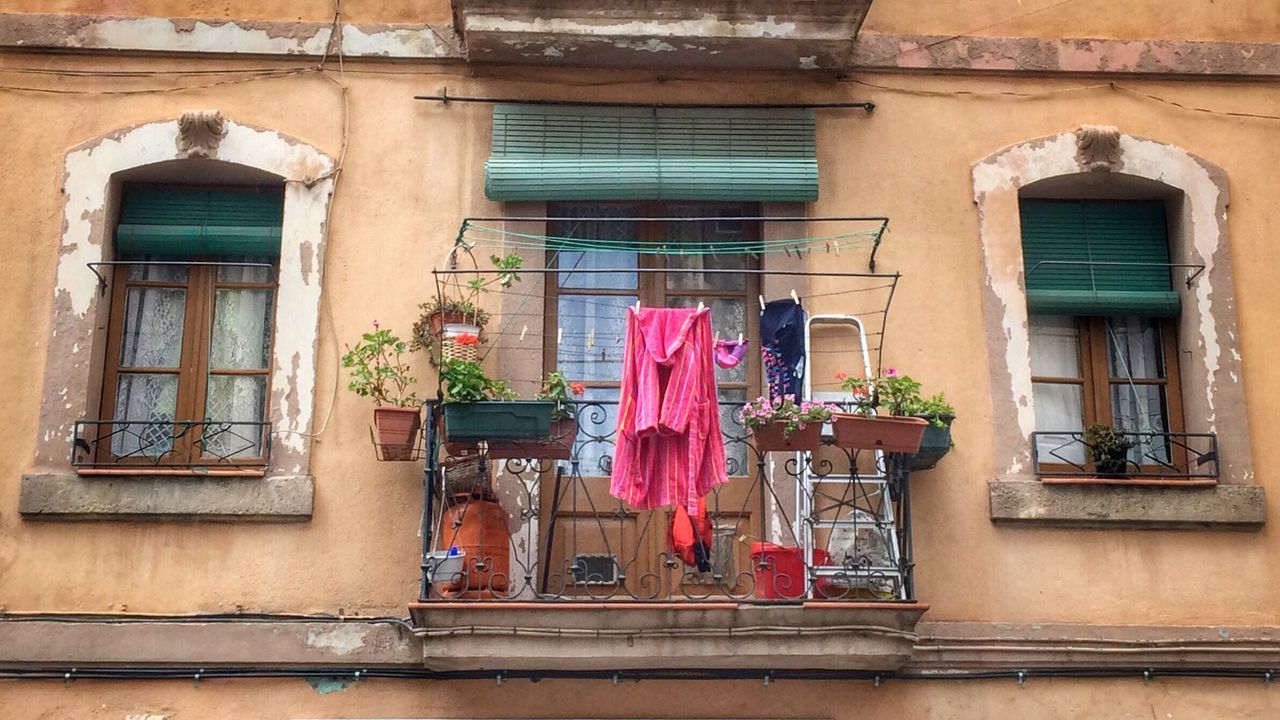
<point>498,420</point>
<point>934,445</point>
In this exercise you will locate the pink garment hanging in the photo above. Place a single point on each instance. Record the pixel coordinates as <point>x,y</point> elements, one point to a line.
<point>730,352</point>
<point>669,449</point>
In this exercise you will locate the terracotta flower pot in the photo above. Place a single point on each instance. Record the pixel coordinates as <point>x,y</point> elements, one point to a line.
<point>878,432</point>
<point>397,431</point>
<point>450,317</point>
<point>773,437</point>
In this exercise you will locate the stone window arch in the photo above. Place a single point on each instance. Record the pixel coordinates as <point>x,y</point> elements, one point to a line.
<point>199,146</point>
<point>1097,161</point>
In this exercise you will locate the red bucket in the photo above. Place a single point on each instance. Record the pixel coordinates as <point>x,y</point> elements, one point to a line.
<point>779,571</point>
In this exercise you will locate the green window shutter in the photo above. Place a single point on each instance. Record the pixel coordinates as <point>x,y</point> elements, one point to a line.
<point>581,153</point>
<point>173,221</point>
<point>1077,233</point>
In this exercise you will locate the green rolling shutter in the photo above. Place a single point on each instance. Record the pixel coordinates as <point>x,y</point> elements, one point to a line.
<point>1083,232</point>
<point>168,221</point>
<point>591,153</point>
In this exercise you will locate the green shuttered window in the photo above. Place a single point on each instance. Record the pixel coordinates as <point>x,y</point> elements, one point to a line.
<point>169,221</point>
<point>1065,248</point>
<point>582,153</point>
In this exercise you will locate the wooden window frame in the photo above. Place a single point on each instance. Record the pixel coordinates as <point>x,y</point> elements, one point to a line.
<point>1096,380</point>
<point>193,370</point>
<point>651,287</point>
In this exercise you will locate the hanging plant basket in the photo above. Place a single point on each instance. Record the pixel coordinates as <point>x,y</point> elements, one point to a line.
<point>934,444</point>
<point>878,432</point>
<point>498,420</point>
<point>773,437</point>
<point>450,349</point>
<point>558,446</point>
<point>397,431</point>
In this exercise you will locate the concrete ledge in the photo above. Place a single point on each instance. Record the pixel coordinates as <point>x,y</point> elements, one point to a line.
<point>119,641</point>
<point>947,646</point>
<point>678,636</point>
<point>67,496</point>
<point>1230,507</point>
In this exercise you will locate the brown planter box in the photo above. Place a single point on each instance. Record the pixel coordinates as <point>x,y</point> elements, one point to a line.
<point>773,438</point>
<point>878,432</point>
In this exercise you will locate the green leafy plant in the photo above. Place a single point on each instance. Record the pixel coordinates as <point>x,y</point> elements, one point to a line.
<point>378,370</point>
<point>557,388</point>
<point>897,393</point>
<point>430,325</point>
<point>893,391</point>
<point>762,411</point>
<point>935,409</point>
<point>1109,448</point>
<point>466,381</point>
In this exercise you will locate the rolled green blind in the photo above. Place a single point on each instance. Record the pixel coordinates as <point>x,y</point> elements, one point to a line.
<point>591,153</point>
<point>168,221</point>
<point>1067,243</point>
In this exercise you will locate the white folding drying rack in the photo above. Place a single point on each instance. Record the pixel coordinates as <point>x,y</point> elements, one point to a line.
<point>869,492</point>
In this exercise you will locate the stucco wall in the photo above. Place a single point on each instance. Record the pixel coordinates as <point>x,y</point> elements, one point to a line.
<point>935,700</point>
<point>413,169</point>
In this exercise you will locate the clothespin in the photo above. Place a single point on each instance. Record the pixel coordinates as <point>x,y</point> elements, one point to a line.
<point>591,339</point>
<point>559,335</point>
<point>637,306</point>
<point>794,296</point>
<point>701,307</point>
<point>828,247</point>
<point>761,298</point>
<point>837,248</point>
<point>523,330</point>
<point>786,250</point>
<point>739,338</point>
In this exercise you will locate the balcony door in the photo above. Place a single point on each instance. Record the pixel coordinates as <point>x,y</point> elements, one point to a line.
<point>595,539</point>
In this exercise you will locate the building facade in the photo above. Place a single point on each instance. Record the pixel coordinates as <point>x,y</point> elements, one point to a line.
<point>1056,213</point>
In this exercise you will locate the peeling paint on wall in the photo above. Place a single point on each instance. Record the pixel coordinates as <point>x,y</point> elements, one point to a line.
<point>342,640</point>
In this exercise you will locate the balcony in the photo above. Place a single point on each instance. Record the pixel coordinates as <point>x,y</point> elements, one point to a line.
<point>737,34</point>
<point>529,564</point>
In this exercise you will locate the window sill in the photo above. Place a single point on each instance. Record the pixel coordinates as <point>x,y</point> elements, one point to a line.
<point>1129,482</point>
<point>169,472</point>
<point>68,496</point>
<point>1223,507</point>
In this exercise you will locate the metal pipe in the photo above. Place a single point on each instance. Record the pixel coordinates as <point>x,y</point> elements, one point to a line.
<point>446,98</point>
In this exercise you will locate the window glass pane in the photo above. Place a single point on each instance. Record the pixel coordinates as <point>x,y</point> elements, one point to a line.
<point>1142,409</point>
<point>735,436</point>
<point>242,274</point>
<point>591,336</point>
<point>241,329</point>
<point>144,413</point>
<point>1133,348</point>
<point>157,273</point>
<point>597,425</point>
<point>704,236</point>
<point>592,222</point>
<point>233,402</point>
<point>728,319</point>
<point>1055,346</point>
<point>153,319</point>
<point>1059,408</point>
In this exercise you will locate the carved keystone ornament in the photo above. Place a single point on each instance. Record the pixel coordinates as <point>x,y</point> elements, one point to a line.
<point>1098,148</point>
<point>200,132</point>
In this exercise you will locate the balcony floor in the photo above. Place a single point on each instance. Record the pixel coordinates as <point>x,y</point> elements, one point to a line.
<point>511,635</point>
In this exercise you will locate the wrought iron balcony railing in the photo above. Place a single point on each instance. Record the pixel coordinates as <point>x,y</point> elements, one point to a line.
<point>194,445</point>
<point>787,527</point>
<point>1153,456</point>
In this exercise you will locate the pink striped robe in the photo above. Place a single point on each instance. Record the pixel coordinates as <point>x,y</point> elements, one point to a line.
<point>669,449</point>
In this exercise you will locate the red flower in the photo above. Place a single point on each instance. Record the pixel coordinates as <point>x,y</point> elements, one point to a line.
<point>467,339</point>
<point>842,375</point>
<point>577,388</point>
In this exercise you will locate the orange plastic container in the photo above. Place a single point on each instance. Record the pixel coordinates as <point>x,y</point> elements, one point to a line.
<point>482,536</point>
<point>779,571</point>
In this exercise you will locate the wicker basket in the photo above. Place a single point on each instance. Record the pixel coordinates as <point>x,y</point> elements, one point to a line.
<point>449,347</point>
